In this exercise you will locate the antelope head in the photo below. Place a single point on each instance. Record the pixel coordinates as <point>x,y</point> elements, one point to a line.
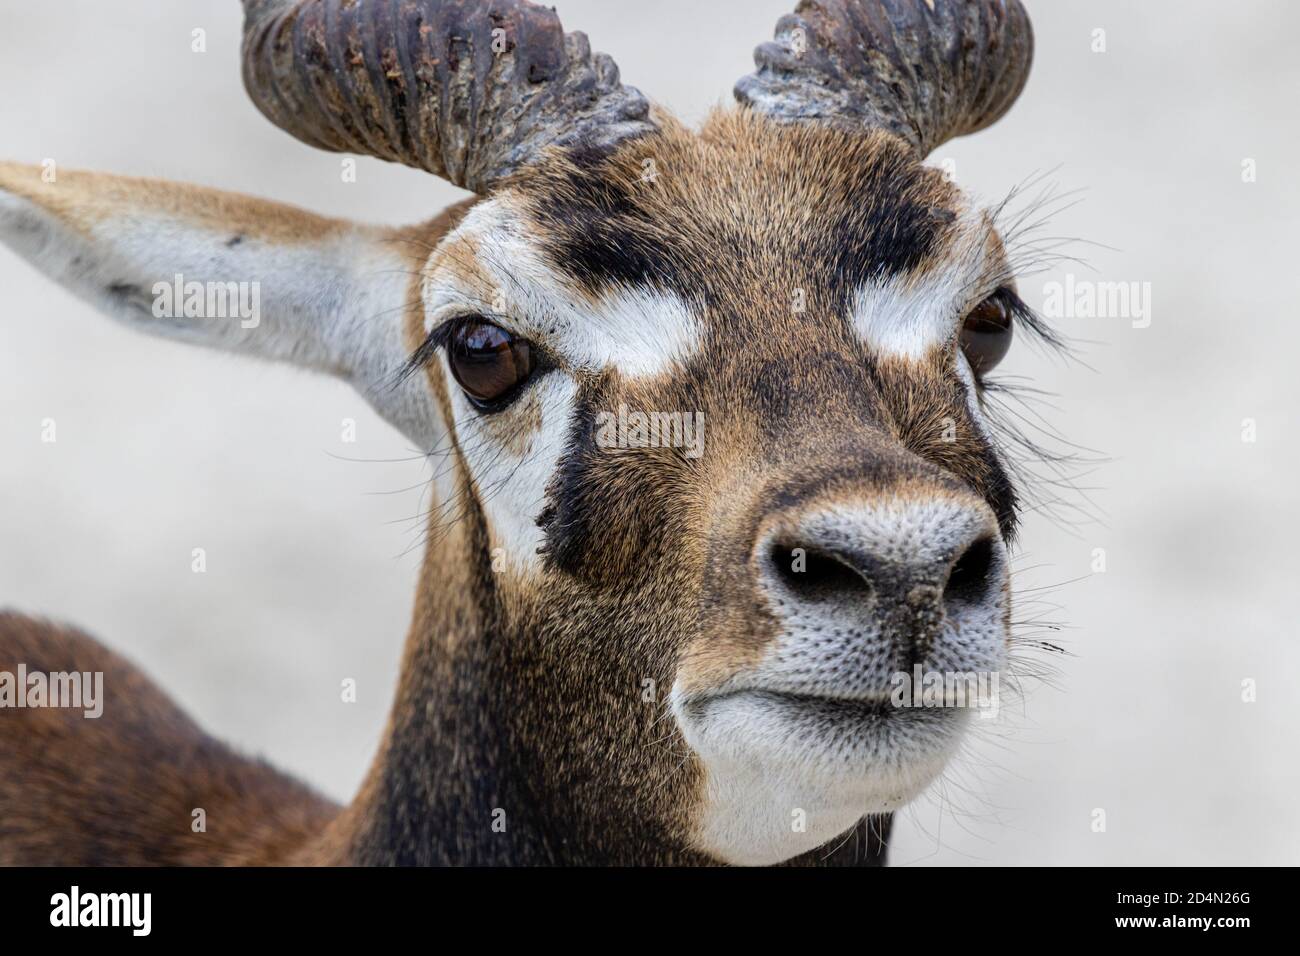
<point>705,407</point>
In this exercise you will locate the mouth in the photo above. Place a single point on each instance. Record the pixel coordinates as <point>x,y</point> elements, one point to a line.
<point>772,756</point>
<point>861,709</point>
<point>856,738</point>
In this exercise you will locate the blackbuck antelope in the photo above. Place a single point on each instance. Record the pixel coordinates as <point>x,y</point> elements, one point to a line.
<point>623,650</point>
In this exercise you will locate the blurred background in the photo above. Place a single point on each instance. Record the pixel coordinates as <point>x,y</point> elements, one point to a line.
<point>1160,122</point>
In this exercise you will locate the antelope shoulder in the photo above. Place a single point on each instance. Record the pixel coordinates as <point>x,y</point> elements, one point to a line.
<point>139,784</point>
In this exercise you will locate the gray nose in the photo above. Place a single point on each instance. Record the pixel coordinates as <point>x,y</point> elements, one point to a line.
<point>900,569</point>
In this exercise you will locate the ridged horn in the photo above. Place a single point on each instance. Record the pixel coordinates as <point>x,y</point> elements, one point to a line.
<point>466,89</point>
<point>926,70</point>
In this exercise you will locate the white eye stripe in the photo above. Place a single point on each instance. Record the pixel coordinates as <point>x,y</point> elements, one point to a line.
<point>638,332</point>
<point>908,316</point>
<point>906,319</point>
<point>643,332</point>
<point>512,484</point>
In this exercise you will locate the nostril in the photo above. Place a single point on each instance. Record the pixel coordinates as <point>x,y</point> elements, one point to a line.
<point>813,574</point>
<point>971,576</point>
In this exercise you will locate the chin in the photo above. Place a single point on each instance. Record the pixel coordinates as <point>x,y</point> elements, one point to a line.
<point>785,773</point>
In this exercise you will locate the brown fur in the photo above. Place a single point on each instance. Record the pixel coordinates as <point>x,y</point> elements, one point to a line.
<point>121,789</point>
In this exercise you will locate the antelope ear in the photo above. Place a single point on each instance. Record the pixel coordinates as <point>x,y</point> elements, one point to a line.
<point>231,272</point>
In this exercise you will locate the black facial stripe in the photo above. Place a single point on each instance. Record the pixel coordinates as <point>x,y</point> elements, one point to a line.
<point>566,519</point>
<point>1001,493</point>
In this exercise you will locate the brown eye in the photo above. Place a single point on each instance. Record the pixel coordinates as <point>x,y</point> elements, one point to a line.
<point>488,362</point>
<point>986,333</point>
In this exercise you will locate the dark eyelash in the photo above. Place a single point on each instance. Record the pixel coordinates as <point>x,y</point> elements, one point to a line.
<point>424,352</point>
<point>435,340</point>
<point>1026,318</point>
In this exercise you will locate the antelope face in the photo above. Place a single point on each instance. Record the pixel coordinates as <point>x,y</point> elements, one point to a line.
<point>723,427</point>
